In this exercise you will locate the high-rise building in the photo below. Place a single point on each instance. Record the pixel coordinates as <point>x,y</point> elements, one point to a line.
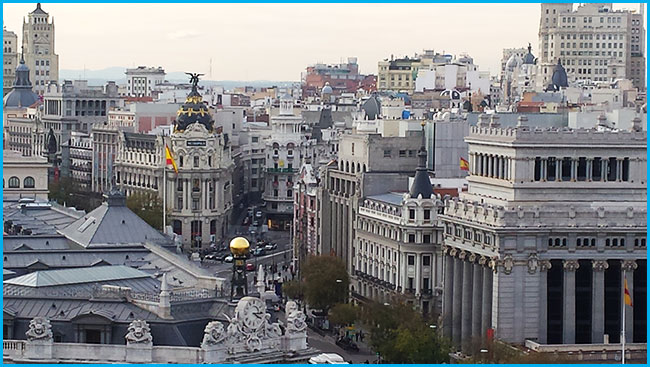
<point>38,49</point>
<point>592,42</point>
<point>10,57</point>
<point>343,78</point>
<point>538,246</point>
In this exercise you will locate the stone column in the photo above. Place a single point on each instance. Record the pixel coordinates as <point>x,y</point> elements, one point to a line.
<point>466,308</point>
<point>569,300</point>
<point>628,266</point>
<point>486,298</point>
<point>489,166</point>
<point>477,283</point>
<point>448,295</point>
<point>457,298</point>
<point>544,265</point>
<point>598,268</point>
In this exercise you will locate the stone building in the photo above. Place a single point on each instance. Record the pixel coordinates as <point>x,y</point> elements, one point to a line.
<point>139,162</point>
<point>368,164</point>
<point>397,245</point>
<point>252,143</point>
<point>23,177</point>
<point>283,160</point>
<point>536,248</point>
<point>38,49</point>
<point>593,42</point>
<point>142,81</point>
<point>80,147</point>
<point>10,57</point>
<point>200,195</point>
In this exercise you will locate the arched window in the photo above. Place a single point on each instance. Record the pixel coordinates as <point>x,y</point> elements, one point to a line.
<point>14,182</point>
<point>177,226</point>
<point>28,183</point>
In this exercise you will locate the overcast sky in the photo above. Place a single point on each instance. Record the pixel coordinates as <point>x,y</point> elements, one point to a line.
<point>277,41</point>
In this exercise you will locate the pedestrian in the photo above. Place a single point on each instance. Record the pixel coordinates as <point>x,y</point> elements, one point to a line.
<point>357,337</point>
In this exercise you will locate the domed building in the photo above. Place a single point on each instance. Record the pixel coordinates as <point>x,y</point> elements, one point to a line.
<point>327,94</point>
<point>199,195</point>
<point>520,76</point>
<point>21,95</point>
<point>559,78</point>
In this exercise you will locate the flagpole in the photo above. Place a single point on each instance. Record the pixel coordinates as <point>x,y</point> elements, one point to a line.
<point>164,197</point>
<point>623,322</point>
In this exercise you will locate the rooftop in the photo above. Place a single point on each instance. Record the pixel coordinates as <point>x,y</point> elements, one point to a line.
<point>50,278</point>
<point>394,198</point>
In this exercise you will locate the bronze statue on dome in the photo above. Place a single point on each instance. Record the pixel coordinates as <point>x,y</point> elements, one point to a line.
<point>194,78</point>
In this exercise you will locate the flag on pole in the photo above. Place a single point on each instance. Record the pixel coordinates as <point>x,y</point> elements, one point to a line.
<point>626,293</point>
<point>170,159</point>
<point>464,165</point>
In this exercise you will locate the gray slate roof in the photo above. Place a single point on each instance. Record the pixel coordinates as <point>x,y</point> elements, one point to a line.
<point>112,223</point>
<point>50,278</point>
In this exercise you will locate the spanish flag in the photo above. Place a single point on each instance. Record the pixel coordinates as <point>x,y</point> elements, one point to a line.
<point>464,165</point>
<point>170,159</point>
<point>626,293</point>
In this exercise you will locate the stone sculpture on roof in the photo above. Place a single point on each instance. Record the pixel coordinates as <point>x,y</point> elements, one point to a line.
<point>214,334</point>
<point>39,329</point>
<point>139,333</point>
<point>250,330</point>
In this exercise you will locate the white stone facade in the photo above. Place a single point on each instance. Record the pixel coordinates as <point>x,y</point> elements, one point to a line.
<point>141,81</point>
<point>38,48</point>
<point>24,177</point>
<point>547,213</point>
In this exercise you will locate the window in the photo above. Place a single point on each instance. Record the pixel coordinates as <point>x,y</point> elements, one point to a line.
<point>195,204</point>
<point>427,238</point>
<point>596,171</point>
<point>386,153</point>
<point>255,139</point>
<point>412,214</point>
<point>411,238</point>
<point>538,168</point>
<point>402,153</point>
<point>611,169</point>
<point>426,260</point>
<point>566,169</point>
<point>14,182</point>
<point>582,169</point>
<point>196,161</point>
<point>427,214</point>
<point>28,183</point>
<point>626,169</point>
<point>275,193</point>
<point>550,169</point>
<point>179,203</point>
<point>289,193</point>
<point>180,159</point>
<point>411,260</point>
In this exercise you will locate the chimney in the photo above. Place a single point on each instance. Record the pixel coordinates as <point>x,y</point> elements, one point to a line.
<point>494,121</point>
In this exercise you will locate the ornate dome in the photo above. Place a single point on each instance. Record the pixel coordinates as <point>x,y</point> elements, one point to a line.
<point>559,76</point>
<point>193,110</point>
<point>326,89</point>
<point>421,183</point>
<point>21,94</point>
<point>529,58</point>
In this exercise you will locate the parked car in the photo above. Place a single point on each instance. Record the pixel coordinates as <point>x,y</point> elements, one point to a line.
<point>228,259</point>
<point>258,214</point>
<point>256,223</point>
<point>213,257</point>
<point>327,358</point>
<point>259,251</point>
<point>271,246</point>
<point>250,267</point>
<point>347,344</point>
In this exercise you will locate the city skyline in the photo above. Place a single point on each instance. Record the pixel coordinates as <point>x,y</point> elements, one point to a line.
<point>370,33</point>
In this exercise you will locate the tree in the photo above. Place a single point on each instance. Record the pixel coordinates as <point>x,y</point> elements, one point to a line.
<point>343,314</point>
<point>293,289</point>
<point>148,207</point>
<point>66,192</point>
<point>326,281</point>
<point>401,335</point>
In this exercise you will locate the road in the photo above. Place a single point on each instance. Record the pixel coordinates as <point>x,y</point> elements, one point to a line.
<point>327,344</point>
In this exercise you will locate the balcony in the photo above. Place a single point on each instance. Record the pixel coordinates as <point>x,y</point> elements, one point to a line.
<point>282,170</point>
<point>427,293</point>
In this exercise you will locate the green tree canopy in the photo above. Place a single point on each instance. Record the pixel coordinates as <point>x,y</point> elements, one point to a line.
<point>343,314</point>
<point>293,289</point>
<point>147,206</point>
<point>401,335</point>
<point>326,281</point>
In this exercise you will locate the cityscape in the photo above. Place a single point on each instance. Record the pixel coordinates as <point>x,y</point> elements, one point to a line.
<point>463,200</point>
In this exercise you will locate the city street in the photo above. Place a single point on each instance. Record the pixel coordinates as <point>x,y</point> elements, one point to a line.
<point>327,344</point>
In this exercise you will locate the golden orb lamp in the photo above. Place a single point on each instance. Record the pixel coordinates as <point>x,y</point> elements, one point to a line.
<point>239,246</point>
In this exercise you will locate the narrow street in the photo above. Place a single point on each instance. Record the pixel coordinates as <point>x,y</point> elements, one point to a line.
<point>327,344</point>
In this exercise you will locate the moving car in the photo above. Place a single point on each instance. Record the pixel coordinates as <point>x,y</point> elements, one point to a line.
<point>271,246</point>
<point>250,267</point>
<point>327,358</point>
<point>259,251</point>
<point>228,259</point>
<point>258,214</point>
<point>347,344</point>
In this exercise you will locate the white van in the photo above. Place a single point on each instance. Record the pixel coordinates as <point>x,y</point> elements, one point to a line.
<point>327,358</point>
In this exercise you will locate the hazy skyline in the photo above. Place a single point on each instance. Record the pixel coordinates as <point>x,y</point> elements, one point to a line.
<point>277,41</point>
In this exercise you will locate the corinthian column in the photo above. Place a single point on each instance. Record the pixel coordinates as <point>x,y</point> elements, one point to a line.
<point>598,268</point>
<point>457,298</point>
<point>476,297</point>
<point>466,319</point>
<point>569,325</point>
<point>486,299</point>
<point>628,266</point>
<point>448,295</point>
